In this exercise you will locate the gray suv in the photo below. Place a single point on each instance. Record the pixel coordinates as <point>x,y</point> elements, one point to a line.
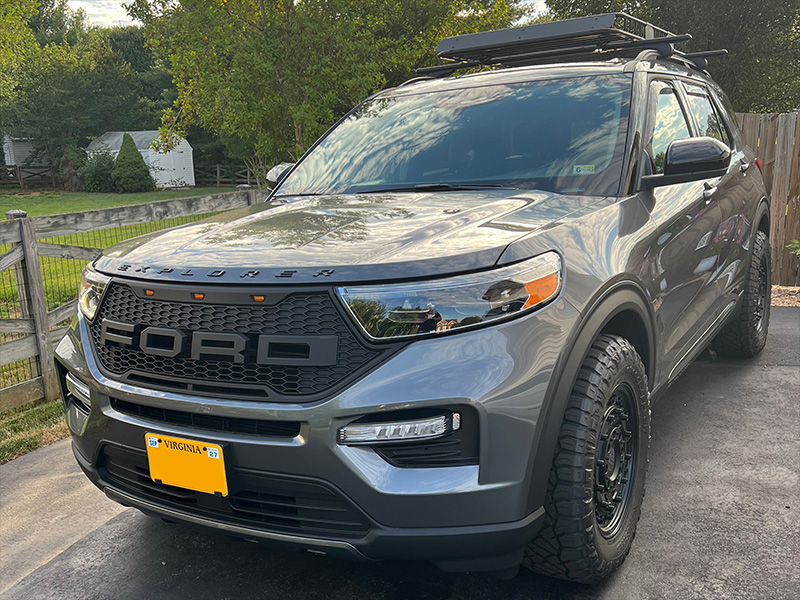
<point>441,337</point>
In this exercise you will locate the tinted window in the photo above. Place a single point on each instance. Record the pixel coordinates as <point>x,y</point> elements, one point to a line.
<point>564,135</point>
<point>707,119</point>
<point>728,115</point>
<point>669,122</point>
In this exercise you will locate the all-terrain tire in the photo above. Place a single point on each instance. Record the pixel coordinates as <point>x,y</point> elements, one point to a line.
<point>746,333</point>
<point>577,541</point>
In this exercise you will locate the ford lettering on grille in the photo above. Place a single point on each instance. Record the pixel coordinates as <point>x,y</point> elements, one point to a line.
<point>318,351</point>
<point>296,347</point>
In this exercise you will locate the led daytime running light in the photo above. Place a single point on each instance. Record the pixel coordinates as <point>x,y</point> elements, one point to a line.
<point>417,429</point>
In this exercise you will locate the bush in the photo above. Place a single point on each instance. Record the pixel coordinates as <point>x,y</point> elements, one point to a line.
<point>130,173</point>
<point>96,172</point>
<point>794,247</point>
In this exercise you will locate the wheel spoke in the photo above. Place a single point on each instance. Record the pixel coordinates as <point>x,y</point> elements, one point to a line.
<point>613,462</point>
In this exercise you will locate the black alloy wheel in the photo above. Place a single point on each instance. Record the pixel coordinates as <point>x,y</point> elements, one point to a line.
<point>615,462</point>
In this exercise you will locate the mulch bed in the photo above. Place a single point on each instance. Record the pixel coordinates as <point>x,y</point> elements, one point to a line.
<point>783,295</point>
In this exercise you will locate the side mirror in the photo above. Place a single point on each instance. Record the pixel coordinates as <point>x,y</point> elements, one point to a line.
<point>691,159</point>
<point>278,172</point>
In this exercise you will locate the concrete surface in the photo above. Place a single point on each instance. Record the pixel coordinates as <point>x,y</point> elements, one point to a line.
<point>46,505</point>
<point>720,518</point>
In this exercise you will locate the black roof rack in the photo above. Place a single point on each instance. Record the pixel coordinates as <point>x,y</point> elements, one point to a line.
<point>598,37</point>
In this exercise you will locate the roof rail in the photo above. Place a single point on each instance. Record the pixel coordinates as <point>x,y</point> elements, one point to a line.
<point>598,37</point>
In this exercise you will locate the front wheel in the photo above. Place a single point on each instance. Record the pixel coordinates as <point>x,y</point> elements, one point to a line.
<point>596,484</point>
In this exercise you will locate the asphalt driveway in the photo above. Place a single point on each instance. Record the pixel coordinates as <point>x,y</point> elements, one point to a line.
<point>721,518</point>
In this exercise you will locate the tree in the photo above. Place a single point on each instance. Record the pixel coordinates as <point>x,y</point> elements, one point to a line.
<point>158,93</point>
<point>56,23</point>
<point>275,74</point>
<point>16,44</point>
<point>762,71</point>
<point>130,173</point>
<point>72,94</point>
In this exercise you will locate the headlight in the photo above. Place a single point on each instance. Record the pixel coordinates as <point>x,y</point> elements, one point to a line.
<point>92,286</point>
<point>430,307</point>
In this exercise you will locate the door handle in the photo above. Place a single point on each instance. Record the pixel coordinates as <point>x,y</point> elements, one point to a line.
<point>744,166</point>
<point>709,191</point>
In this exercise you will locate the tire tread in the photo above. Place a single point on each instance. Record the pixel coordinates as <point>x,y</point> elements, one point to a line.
<point>562,547</point>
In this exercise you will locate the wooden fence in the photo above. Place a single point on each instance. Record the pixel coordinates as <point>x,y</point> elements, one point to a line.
<point>221,175</point>
<point>32,328</point>
<point>46,176</point>
<point>22,176</point>
<point>776,140</point>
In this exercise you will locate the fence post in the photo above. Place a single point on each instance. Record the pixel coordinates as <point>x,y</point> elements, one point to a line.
<point>218,174</point>
<point>37,306</point>
<point>18,169</point>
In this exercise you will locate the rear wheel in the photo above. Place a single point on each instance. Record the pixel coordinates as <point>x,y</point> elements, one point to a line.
<point>596,484</point>
<point>746,333</point>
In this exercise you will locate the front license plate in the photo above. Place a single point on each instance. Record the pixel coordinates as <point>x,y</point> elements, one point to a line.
<point>186,463</point>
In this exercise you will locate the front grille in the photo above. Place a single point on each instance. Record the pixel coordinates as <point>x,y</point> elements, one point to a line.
<point>310,314</point>
<point>257,499</point>
<point>211,422</point>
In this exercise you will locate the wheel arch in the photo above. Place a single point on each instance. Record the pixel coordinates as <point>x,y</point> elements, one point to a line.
<point>762,219</point>
<point>622,310</point>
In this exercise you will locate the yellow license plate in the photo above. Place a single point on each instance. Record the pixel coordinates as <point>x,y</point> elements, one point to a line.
<point>188,464</point>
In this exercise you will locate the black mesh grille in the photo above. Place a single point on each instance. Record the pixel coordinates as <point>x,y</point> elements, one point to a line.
<point>298,314</point>
<point>257,499</point>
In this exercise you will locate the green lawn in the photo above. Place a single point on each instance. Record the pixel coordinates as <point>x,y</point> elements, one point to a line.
<point>29,427</point>
<point>57,202</point>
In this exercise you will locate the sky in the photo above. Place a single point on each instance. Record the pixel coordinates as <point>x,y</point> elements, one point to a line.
<point>108,13</point>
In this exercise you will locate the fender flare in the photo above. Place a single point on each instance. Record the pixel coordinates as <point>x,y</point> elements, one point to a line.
<point>763,209</point>
<point>621,296</point>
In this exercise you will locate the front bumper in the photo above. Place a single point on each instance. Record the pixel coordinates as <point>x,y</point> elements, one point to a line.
<point>472,517</point>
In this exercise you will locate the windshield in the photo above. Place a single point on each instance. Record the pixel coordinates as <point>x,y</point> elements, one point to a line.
<point>565,136</point>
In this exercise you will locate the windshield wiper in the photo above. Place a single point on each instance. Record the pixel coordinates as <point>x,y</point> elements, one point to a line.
<point>440,187</point>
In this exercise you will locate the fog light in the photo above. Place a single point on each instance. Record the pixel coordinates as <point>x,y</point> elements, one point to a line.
<point>395,431</point>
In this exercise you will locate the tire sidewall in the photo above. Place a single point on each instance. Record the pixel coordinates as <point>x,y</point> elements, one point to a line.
<point>761,252</point>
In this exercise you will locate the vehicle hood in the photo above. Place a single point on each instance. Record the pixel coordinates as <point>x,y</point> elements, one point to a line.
<point>367,237</point>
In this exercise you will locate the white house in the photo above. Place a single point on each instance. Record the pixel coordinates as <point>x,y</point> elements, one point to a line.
<point>16,150</point>
<point>169,169</point>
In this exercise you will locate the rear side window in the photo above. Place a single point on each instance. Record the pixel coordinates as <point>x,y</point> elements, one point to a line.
<point>728,114</point>
<point>707,119</point>
<point>669,122</point>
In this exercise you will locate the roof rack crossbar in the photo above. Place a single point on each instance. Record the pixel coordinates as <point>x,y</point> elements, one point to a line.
<point>700,59</point>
